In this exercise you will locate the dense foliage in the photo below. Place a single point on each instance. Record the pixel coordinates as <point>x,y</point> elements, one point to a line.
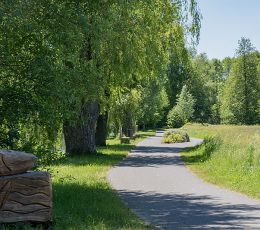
<point>183,111</point>
<point>224,91</point>
<point>62,62</point>
<point>242,90</point>
<point>71,69</point>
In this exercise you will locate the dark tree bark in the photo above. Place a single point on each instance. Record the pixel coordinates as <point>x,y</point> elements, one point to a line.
<point>101,130</point>
<point>128,126</point>
<point>80,137</point>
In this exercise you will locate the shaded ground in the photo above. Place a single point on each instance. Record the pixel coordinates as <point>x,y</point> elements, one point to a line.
<point>154,182</point>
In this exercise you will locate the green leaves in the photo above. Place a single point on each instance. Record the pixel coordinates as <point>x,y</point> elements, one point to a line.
<point>55,55</point>
<point>183,111</point>
<point>241,92</point>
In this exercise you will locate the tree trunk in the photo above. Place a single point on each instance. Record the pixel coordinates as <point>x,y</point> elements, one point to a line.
<point>101,130</point>
<point>128,125</point>
<point>80,136</point>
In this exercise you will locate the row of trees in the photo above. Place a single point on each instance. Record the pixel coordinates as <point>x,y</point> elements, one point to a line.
<point>226,91</point>
<point>69,67</point>
<point>70,70</point>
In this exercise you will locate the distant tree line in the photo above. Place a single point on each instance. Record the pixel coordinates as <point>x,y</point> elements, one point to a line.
<point>224,91</point>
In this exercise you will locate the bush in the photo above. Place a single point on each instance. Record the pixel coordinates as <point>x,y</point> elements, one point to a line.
<point>175,136</point>
<point>174,118</point>
<point>46,157</point>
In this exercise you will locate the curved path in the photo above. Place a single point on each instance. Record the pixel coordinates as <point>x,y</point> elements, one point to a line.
<point>154,182</point>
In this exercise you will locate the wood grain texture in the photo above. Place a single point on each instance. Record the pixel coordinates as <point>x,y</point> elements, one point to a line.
<point>26,197</point>
<point>14,162</point>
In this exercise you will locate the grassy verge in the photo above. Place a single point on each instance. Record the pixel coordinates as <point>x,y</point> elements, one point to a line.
<point>83,198</point>
<point>230,156</point>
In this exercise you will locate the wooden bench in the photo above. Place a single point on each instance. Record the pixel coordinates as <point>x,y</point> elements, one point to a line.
<point>125,140</point>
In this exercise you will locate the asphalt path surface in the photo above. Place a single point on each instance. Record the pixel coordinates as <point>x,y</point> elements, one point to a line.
<point>154,182</point>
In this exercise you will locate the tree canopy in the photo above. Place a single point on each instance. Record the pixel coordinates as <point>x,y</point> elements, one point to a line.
<point>76,68</point>
<point>61,61</point>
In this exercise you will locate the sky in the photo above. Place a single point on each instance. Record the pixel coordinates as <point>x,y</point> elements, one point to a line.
<point>224,22</point>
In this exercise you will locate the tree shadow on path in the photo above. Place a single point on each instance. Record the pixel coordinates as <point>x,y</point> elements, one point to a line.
<point>152,156</point>
<point>187,211</point>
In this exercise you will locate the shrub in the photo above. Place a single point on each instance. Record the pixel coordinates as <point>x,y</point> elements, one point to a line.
<point>174,118</point>
<point>175,136</point>
<point>47,157</point>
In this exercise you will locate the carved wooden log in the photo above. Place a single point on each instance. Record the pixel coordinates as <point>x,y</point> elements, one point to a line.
<point>26,197</point>
<point>14,162</point>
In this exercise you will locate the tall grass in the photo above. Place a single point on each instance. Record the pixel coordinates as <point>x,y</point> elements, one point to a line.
<point>230,156</point>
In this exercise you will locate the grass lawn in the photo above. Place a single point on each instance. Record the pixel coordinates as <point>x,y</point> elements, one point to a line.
<point>230,156</point>
<point>83,198</point>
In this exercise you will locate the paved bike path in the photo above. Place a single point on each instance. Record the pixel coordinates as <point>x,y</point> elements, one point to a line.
<point>154,182</point>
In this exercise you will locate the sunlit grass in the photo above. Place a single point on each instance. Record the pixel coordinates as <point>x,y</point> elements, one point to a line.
<point>82,196</point>
<point>229,158</point>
